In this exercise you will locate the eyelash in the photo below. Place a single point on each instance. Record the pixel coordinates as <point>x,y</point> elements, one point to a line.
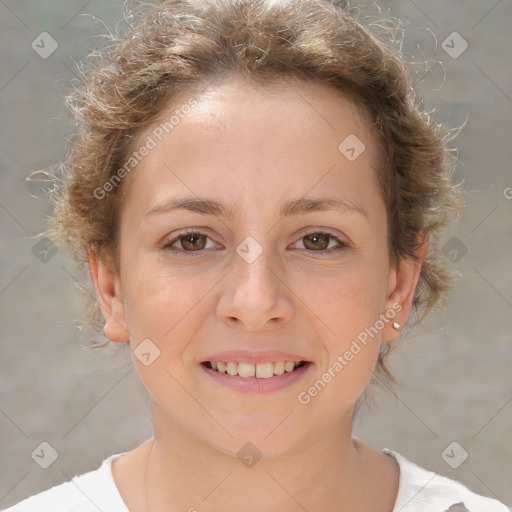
<point>168,245</point>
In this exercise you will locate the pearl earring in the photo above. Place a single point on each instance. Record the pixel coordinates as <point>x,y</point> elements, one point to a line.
<point>396,326</point>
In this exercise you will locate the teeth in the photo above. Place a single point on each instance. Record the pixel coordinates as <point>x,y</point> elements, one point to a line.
<point>289,366</point>
<point>246,369</point>
<point>232,368</point>
<point>279,368</point>
<point>265,370</point>
<point>260,370</point>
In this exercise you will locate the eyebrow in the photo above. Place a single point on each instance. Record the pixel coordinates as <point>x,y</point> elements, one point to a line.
<point>300,206</point>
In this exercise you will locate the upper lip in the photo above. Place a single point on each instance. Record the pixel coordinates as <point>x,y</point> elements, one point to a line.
<point>262,356</point>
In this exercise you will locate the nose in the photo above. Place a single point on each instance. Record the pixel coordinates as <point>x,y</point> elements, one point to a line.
<point>255,295</point>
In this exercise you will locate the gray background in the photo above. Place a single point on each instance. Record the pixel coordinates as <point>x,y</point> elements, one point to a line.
<point>454,377</point>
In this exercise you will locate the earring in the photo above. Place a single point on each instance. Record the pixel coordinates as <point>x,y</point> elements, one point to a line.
<point>396,326</point>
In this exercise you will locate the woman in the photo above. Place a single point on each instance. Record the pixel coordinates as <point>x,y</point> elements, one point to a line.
<point>258,194</point>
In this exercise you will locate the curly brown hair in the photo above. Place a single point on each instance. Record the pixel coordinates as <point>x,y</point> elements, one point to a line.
<point>176,47</point>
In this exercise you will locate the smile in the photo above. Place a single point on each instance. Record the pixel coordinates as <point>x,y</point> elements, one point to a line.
<point>245,377</point>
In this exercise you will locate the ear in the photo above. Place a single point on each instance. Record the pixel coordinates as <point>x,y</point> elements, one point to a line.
<point>110,298</point>
<point>402,285</point>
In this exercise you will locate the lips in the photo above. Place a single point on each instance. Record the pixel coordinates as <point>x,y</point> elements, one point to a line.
<point>256,384</point>
<point>239,366</point>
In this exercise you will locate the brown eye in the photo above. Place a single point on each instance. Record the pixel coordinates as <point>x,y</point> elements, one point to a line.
<point>195,242</point>
<point>316,241</point>
<point>192,242</point>
<point>322,243</point>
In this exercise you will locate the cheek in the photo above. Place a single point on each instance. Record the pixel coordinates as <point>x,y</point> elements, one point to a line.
<point>348,298</point>
<point>347,305</point>
<point>351,310</point>
<point>161,309</point>
<point>169,307</point>
<point>159,300</point>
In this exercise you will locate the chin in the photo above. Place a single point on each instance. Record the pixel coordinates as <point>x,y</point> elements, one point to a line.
<point>265,437</point>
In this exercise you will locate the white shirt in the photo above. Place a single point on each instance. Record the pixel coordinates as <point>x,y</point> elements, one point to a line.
<point>419,491</point>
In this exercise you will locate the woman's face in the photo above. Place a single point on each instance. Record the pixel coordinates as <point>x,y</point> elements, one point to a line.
<point>273,274</point>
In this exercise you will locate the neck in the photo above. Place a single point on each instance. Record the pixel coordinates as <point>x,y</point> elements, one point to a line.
<point>325,472</point>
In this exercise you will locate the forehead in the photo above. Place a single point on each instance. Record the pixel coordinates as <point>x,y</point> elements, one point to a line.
<point>248,135</point>
<point>321,107</point>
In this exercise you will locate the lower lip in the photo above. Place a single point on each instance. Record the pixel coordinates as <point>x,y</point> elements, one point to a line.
<point>254,384</point>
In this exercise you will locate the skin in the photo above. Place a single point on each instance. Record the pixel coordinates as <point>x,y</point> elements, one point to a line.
<point>255,148</point>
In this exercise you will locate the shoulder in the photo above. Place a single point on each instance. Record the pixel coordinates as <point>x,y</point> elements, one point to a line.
<point>421,490</point>
<point>89,492</point>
